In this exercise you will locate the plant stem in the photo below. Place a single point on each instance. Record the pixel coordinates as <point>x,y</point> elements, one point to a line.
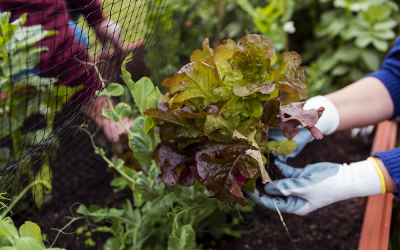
<point>284,224</point>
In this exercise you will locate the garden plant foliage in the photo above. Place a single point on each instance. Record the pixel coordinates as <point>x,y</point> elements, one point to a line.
<point>24,94</point>
<point>159,217</point>
<point>217,113</point>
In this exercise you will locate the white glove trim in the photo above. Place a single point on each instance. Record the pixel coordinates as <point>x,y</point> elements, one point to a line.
<point>381,176</point>
<point>330,119</point>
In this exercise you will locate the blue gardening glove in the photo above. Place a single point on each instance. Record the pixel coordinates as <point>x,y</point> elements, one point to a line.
<point>317,185</point>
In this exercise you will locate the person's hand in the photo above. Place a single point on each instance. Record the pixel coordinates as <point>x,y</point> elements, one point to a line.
<point>317,185</point>
<point>112,130</point>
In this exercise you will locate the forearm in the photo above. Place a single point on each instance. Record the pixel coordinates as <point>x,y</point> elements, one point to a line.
<point>362,103</point>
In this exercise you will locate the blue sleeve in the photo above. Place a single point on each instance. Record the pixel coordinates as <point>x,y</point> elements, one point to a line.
<point>389,75</point>
<point>391,159</point>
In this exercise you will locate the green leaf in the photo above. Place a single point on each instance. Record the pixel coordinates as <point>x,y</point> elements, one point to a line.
<point>285,147</point>
<point>195,84</point>
<point>202,55</point>
<point>112,244</point>
<point>139,142</point>
<point>347,53</point>
<point>115,89</point>
<point>27,36</point>
<point>217,128</point>
<point>122,109</point>
<point>371,59</point>
<point>8,229</point>
<point>142,92</point>
<point>380,45</point>
<point>109,114</point>
<point>7,124</point>
<point>182,238</point>
<point>384,34</point>
<point>29,244</point>
<point>340,70</point>
<point>389,24</point>
<point>363,41</point>
<point>39,191</point>
<point>23,60</point>
<point>149,123</point>
<point>254,62</point>
<point>30,229</point>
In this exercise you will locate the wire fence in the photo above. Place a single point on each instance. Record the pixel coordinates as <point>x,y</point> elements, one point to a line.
<point>48,85</point>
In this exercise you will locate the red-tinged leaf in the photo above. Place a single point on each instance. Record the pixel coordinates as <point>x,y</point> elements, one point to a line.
<point>292,115</point>
<point>288,94</point>
<point>220,60</point>
<point>270,114</point>
<point>170,131</point>
<point>165,116</point>
<point>197,83</point>
<point>254,61</point>
<point>289,129</point>
<point>217,176</point>
<point>316,133</point>
<point>186,177</point>
<point>169,158</point>
<point>227,45</point>
<point>202,55</point>
<point>295,111</point>
<point>240,179</point>
<point>190,112</point>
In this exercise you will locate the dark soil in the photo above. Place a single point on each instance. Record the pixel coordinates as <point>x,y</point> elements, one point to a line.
<point>336,226</point>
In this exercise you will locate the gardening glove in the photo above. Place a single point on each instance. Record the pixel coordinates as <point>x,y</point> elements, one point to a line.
<point>317,185</point>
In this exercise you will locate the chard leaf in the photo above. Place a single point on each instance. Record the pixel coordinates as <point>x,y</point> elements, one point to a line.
<point>202,55</point>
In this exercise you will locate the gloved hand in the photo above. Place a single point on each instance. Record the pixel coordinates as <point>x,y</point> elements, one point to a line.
<point>317,185</point>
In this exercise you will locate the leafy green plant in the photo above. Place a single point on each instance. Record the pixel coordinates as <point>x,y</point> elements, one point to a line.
<point>23,95</point>
<point>358,35</point>
<point>218,111</point>
<point>160,217</point>
<point>29,235</point>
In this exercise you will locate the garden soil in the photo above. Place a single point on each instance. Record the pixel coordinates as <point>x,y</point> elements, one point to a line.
<point>82,177</point>
<point>335,227</point>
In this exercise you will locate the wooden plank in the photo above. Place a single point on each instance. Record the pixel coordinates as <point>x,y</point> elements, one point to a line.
<point>375,231</point>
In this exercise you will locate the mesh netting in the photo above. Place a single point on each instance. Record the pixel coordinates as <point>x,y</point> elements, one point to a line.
<point>48,86</point>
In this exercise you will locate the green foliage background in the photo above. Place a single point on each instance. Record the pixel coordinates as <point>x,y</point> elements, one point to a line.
<point>340,40</point>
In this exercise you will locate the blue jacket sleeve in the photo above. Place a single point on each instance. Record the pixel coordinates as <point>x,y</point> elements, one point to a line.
<point>389,75</point>
<point>391,159</point>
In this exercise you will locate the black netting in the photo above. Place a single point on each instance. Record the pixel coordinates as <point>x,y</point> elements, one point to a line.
<point>48,86</point>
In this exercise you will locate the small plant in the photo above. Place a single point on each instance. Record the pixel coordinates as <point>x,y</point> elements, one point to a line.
<point>160,217</point>
<point>24,94</point>
<point>29,235</point>
<point>216,116</point>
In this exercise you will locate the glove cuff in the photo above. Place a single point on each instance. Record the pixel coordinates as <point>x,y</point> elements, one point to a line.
<point>330,119</point>
<point>362,179</point>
